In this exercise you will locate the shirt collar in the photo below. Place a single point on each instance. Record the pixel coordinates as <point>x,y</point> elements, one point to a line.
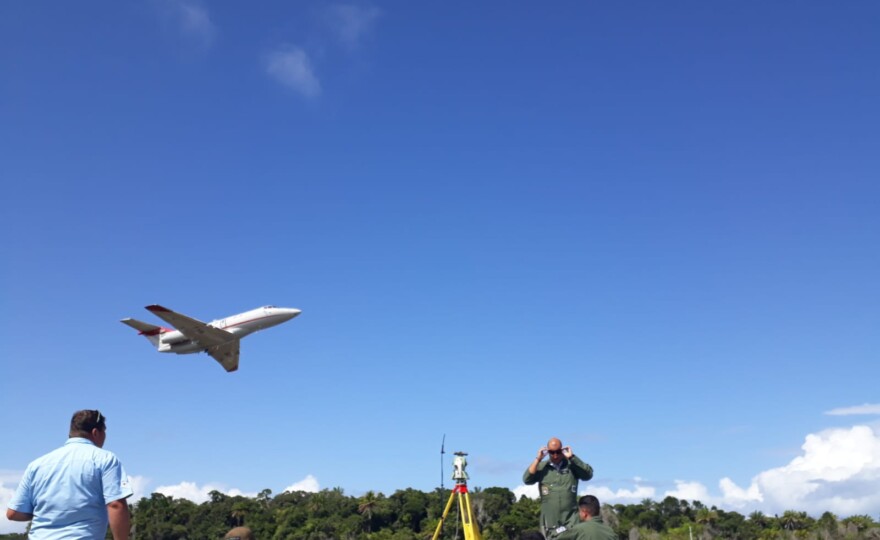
<point>79,440</point>
<point>562,463</point>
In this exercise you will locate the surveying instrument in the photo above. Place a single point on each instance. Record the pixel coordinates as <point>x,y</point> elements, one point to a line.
<point>460,492</point>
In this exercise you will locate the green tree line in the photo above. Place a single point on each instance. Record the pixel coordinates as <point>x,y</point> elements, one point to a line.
<point>410,514</point>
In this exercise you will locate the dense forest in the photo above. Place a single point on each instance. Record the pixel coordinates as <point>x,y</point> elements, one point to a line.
<point>411,514</point>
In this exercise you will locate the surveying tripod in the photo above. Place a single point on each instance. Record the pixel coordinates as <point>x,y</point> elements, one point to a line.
<point>460,491</point>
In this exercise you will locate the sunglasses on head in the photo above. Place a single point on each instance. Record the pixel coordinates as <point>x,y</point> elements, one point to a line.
<point>99,417</point>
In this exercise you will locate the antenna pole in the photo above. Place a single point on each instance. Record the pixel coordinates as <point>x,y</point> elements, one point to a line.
<point>442,452</point>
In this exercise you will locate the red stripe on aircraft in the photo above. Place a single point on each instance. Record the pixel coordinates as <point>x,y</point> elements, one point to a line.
<point>155,331</point>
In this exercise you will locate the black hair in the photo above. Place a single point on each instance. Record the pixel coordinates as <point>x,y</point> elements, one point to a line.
<point>83,422</point>
<point>590,504</point>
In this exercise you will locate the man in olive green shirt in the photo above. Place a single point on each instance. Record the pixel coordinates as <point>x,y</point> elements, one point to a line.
<point>591,526</point>
<point>557,481</point>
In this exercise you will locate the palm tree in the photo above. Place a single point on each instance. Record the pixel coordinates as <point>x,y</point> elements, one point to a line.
<point>366,506</point>
<point>707,518</point>
<point>860,523</point>
<point>793,521</point>
<point>239,511</point>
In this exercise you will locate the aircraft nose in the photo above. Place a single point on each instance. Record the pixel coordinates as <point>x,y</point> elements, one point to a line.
<point>292,312</point>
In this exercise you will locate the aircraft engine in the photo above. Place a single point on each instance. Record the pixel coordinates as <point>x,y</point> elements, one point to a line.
<point>174,337</point>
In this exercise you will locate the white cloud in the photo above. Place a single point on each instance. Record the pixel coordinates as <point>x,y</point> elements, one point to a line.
<point>529,491</point>
<point>737,497</point>
<point>622,495</point>
<point>8,484</point>
<point>196,493</point>
<point>350,23</point>
<point>689,491</point>
<point>196,23</point>
<point>733,497</point>
<point>838,471</point>
<point>308,484</point>
<point>291,67</point>
<point>191,21</point>
<point>199,494</point>
<point>867,408</point>
<point>140,487</point>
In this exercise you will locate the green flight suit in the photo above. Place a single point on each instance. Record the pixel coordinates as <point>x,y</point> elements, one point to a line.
<point>592,529</point>
<point>558,491</point>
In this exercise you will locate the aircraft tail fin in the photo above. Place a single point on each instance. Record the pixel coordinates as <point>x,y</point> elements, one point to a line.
<point>149,331</point>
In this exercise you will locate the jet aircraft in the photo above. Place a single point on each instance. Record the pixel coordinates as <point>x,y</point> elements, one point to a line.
<point>219,338</point>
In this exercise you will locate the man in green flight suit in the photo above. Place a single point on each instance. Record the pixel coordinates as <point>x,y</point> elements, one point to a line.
<point>557,481</point>
<point>591,526</point>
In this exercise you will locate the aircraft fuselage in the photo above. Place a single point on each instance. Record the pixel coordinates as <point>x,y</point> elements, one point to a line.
<point>239,325</point>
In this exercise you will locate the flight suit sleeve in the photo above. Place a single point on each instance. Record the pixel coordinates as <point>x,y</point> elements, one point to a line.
<point>579,469</point>
<point>529,479</point>
<point>570,534</point>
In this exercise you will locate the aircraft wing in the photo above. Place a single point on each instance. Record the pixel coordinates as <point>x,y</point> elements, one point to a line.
<point>193,329</point>
<point>226,354</point>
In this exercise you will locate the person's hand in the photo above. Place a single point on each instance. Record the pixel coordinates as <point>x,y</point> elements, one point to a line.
<point>542,452</point>
<point>566,451</point>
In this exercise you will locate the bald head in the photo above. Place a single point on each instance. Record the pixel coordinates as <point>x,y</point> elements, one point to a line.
<point>554,449</point>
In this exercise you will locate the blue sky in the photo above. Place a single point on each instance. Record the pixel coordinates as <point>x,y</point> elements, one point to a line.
<point>650,230</point>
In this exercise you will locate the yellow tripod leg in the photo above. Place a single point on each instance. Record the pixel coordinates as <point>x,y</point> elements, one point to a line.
<point>469,525</point>
<point>443,517</point>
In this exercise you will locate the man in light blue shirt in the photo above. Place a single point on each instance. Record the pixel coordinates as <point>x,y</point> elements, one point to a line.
<point>74,491</point>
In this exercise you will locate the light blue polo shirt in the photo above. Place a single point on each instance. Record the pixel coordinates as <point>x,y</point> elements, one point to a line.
<point>68,491</point>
